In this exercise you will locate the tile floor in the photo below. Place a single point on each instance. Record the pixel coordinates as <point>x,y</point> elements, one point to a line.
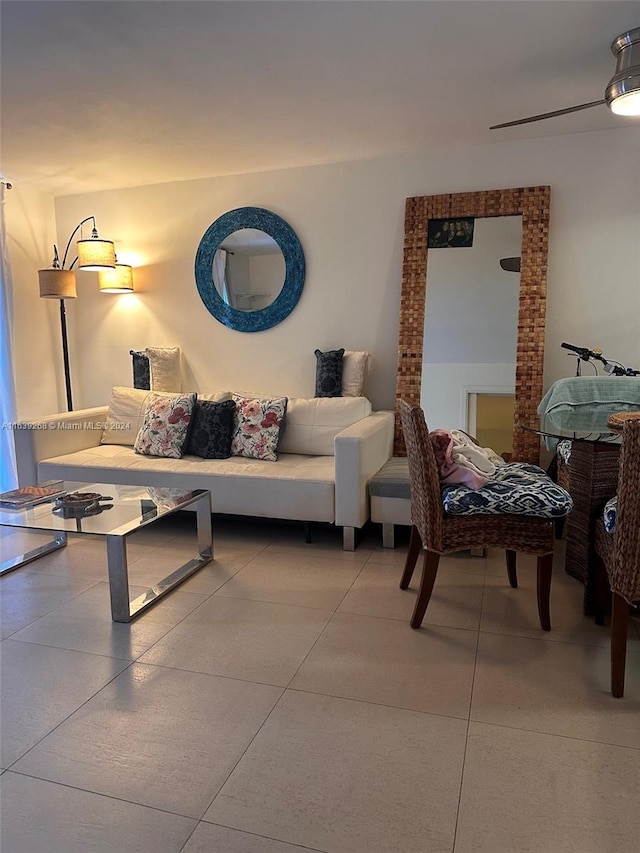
<point>278,702</point>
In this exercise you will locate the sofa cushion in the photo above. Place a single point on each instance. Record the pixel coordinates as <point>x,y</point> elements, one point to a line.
<point>165,426</point>
<point>313,424</point>
<point>392,480</point>
<point>355,368</point>
<point>296,487</point>
<point>212,428</point>
<point>329,373</point>
<point>126,412</point>
<point>258,421</point>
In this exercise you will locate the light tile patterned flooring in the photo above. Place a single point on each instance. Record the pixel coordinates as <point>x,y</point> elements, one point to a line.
<point>278,701</point>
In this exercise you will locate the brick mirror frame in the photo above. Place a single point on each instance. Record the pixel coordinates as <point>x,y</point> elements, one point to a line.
<point>532,203</point>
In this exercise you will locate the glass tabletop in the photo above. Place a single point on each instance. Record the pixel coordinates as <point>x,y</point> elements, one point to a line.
<point>119,511</point>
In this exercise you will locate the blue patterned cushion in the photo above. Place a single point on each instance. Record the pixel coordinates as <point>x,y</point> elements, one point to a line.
<point>610,510</point>
<point>564,450</point>
<point>516,489</point>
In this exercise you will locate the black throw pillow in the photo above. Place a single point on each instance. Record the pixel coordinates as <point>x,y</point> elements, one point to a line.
<point>211,429</point>
<point>141,371</point>
<point>329,373</point>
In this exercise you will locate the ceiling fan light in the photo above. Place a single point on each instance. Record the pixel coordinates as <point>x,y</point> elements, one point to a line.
<point>627,104</point>
<point>118,280</point>
<point>623,92</point>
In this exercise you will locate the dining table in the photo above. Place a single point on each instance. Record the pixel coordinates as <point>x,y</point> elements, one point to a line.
<point>588,411</point>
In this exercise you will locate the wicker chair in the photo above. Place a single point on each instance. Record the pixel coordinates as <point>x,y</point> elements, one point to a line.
<point>439,533</point>
<point>619,552</point>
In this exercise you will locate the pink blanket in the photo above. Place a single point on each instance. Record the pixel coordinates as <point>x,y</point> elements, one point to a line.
<point>460,460</point>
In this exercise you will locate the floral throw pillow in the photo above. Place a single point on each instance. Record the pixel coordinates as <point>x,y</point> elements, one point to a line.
<point>165,425</point>
<point>258,423</point>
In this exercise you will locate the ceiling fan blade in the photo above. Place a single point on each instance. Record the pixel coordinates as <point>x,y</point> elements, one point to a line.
<point>550,115</point>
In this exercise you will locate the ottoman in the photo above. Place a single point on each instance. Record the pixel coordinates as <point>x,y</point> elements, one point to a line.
<point>391,497</point>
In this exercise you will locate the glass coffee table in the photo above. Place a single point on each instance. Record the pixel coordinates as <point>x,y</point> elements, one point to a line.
<point>121,511</point>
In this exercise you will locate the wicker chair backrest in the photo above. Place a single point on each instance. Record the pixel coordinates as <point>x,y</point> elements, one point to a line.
<point>624,574</point>
<point>427,513</point>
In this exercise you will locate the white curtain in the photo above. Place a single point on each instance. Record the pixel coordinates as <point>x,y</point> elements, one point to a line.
<point>220,274</point>
<point>8,408</point>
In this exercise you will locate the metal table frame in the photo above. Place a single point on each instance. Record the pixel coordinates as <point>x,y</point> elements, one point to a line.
<point>59,541</point>
<point>123,609</point>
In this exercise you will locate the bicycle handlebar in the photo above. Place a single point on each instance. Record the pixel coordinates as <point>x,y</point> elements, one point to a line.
<point>585,354</point>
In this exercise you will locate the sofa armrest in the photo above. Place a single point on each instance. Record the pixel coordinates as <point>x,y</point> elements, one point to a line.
<point>55,435</point>
<point>360,451</point>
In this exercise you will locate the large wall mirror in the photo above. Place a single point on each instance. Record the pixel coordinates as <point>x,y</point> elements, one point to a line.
<point>472,328</point>
<point>250,269</point>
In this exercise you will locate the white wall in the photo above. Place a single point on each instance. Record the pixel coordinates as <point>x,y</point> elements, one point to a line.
<point>350,220</point>
<point>37,347</point>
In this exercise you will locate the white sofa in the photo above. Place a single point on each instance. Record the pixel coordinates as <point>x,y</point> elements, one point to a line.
<point>330,449</point>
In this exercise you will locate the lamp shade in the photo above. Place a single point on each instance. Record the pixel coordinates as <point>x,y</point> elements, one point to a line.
<point>118,280</point>
<point>57,284</point>
<point>96,254</point>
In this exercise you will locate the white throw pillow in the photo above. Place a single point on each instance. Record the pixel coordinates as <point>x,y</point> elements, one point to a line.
<point>355,369</point>
<point>313,424</point>
<point>164,368</point>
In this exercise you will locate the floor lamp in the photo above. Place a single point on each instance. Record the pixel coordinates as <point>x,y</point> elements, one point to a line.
<point>58,282</point>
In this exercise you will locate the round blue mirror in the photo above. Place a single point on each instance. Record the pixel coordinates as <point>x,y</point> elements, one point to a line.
<point>250,269</point>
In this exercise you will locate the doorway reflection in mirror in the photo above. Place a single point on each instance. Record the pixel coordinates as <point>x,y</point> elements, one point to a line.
<point>248,270</point>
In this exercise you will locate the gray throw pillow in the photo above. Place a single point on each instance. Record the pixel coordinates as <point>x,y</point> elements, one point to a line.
<point>141,372</point>
<point>329,373</point>
<point>211,429</point>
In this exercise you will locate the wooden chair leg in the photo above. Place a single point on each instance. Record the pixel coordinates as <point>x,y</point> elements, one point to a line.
<point>545,567</point>
<point>601,591</point>
<point>619,620</point>
<point>511,568</point>
<point>429,572</point>
<point>415,546</point>
<point>559,527</point>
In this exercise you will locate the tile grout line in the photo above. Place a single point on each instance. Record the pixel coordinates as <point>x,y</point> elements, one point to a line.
<point>466,739</point>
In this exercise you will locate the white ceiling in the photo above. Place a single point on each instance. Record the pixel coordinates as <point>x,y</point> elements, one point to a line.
<point>100,95</point>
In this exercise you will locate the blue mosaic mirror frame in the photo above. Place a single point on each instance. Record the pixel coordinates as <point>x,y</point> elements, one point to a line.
<point>287,240</point>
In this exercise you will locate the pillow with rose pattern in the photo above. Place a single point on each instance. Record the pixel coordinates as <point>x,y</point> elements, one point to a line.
<point>165,425</point>
<point>257,426</point>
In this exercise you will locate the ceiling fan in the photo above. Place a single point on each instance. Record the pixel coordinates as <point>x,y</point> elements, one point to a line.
<point>622,95</point>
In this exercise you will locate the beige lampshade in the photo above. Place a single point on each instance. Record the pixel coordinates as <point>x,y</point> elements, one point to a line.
<point>118,280</point>
<point>57,284</point>
<point>96,254</point>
